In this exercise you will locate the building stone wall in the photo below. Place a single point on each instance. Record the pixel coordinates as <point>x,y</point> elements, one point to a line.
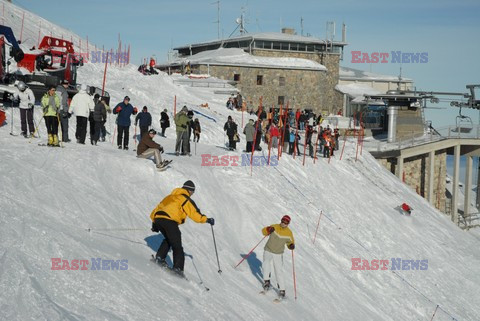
<point>302,89</point>
<point>416,172</point>
<point>332,100</point>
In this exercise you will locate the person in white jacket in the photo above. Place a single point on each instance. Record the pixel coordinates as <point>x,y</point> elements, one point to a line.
<point>81,105</point>
<point>26,100</point>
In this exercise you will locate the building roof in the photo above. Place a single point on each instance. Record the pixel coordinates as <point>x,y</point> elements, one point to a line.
<point>238,57</point>
<point>272,36</point>
<point>346,73</point>
<point>357,91</point>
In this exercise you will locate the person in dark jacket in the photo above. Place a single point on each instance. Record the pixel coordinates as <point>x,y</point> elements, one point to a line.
<point>99,118</point>
<point>148,148</point>
<point>190,125</point>
<point>230,128</point>
<point>63,112</point>
<point>145,120</point>
<point>124,111</point>
<point>309,134</point>
<point>196,130</point>
<point>164,121</point>
<point>166,218</point>
<point>258,135</point>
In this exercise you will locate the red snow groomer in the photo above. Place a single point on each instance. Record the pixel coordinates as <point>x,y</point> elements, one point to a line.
<point>56,57</point>
<point>53,61</point>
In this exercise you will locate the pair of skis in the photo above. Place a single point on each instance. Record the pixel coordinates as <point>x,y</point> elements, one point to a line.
<point>276,300</point>
<point>172,272</point>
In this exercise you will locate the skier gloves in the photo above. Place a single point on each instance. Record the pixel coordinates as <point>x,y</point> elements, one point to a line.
<point>211,221</point>
<point>270,230</point>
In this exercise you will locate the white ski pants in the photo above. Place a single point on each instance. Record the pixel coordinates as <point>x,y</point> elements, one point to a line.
<point>276,260</point>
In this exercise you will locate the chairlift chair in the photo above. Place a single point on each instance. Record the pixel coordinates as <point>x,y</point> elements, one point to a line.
<point>463,124</point>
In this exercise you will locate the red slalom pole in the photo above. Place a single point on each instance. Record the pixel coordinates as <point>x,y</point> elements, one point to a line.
<point>316,143</point>
<point>175,106</point>
<point>104,75</point>
<point>294,279</point>
<point>318,224</point>
<point>250,252</point>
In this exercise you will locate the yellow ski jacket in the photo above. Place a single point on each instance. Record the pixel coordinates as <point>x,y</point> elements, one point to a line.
<point>176,207</point>
<point>278,239</point>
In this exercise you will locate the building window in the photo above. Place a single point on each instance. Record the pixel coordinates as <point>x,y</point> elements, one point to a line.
<point>281,100</point>
<point>236,77</point>
<point>259,80</point>
<point>281,81</point>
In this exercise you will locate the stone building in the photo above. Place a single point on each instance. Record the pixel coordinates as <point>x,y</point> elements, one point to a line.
<point>281,77</point>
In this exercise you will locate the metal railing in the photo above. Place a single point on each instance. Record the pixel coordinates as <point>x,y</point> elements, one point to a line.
<point>431,135</point>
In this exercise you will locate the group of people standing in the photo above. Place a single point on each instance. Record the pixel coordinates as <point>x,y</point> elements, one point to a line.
<point>276,132</point>
<point>57,111</point>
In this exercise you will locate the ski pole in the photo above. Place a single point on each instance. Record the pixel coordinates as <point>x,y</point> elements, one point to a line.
<point>58,125</point>
<point>36,129</point>
<point>216,252</point>
<point>250,252</point>
<point>11,124</point>
<point>315,236</point>
<point>135,135</point>
<point>294,280</point>
<point>34,122</point>
<point>433,316</point>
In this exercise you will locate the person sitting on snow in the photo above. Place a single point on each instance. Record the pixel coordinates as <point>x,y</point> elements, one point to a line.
<point>148,148</point>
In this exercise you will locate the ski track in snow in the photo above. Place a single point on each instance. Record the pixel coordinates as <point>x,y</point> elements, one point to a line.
<point>52,196</point>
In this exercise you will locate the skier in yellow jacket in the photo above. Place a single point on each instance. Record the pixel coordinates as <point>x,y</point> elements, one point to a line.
<point>168,215</point>
<point>280,235</point>
<point>51,106</point>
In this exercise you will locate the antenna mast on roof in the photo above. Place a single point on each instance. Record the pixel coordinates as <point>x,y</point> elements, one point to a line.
<point>330,33</point>
<point>218,17</point>
<point>399,78</point>
<point>301,25</point>
<point>241,24</point>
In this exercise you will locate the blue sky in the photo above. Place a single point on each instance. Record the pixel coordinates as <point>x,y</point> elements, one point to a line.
<point>447,30</point>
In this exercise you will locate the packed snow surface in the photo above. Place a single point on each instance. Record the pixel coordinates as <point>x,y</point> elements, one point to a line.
<point>85,202</point>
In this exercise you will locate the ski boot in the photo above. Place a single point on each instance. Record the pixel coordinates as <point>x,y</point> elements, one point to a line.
<point>50,140</point>
<point>161,262</point>
<point>281,294</point>
<point>178,272</point>
<point>266,285</point>
<point>55,141</point>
